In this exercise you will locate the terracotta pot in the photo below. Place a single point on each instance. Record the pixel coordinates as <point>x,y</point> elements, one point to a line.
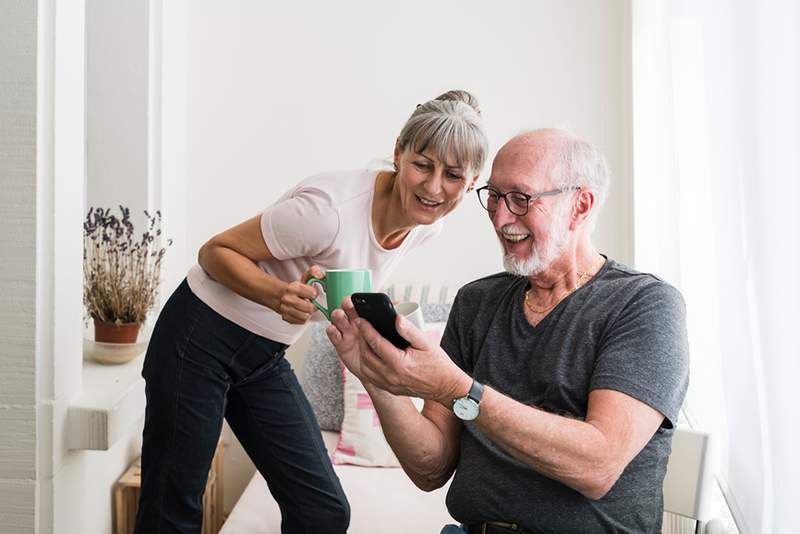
<point>106,332</point>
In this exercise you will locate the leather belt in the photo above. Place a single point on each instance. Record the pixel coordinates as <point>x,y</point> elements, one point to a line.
<point>494,527</point>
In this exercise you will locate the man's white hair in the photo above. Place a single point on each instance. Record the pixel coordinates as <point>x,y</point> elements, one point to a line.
<point>578,163</point>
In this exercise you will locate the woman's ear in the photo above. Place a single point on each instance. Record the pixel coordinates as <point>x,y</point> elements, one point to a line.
<point>397,153</point>
<point>471,186</point>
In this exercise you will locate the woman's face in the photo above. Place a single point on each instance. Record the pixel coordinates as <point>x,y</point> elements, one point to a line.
<point>429,188</point>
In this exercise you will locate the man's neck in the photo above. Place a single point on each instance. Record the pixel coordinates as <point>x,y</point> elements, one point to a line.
<point>568,272</point>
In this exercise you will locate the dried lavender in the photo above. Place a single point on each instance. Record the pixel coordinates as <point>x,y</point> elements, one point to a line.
<point>120,273</point>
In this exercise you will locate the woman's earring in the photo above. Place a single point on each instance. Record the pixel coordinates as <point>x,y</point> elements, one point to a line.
<point>470,189</point>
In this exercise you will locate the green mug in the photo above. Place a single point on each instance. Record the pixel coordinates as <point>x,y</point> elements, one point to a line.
<point>341,283</point>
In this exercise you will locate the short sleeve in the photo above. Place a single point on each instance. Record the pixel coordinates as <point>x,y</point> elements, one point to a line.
<point>452,339</point>
<point>645,353</point>
<point>302,225</point>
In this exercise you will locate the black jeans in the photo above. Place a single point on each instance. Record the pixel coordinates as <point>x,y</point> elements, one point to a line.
<point>201,367</point>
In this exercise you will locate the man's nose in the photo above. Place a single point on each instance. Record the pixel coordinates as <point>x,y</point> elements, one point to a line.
<point>502,215</point>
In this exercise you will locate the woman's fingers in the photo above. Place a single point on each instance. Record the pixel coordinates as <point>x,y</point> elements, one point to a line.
<point>302,290</point>
<point>315,271</point>
<point>295,316</point>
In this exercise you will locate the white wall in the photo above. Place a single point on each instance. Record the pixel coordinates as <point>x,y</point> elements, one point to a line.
<point>277,91</point>
<point>43,125</point>
<point>116,81</point>
<point>18,403</point>
<point>117,104</point>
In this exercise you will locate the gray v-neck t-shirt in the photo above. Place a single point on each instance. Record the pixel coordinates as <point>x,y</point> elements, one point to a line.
<point>624,331</point>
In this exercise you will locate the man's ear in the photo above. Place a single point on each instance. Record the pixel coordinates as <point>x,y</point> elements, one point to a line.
<point>582,207</point>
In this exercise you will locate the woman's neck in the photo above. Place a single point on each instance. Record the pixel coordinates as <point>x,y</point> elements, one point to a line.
<point>390,224</point>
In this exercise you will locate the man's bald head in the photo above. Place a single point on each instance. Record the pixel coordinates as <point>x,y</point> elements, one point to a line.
<point>551,158</point>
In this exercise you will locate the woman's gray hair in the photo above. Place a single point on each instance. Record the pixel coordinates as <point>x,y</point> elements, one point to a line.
<point>451,126</point>
<point>578,163</point>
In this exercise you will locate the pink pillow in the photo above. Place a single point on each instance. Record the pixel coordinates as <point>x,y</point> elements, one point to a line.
<point>361,441</point>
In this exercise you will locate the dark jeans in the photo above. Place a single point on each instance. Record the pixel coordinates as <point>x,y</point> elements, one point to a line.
<point>201,367</point>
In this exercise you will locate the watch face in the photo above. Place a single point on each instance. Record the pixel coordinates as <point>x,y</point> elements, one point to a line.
<point>466,409</point>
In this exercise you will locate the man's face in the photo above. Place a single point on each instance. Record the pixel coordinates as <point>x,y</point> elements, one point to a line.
<point>531,242</point>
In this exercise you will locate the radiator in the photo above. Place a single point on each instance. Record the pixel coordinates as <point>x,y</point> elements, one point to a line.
<point>677,524</point>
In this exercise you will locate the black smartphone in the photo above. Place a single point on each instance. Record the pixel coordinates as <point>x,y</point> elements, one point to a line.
<point>377,308</point>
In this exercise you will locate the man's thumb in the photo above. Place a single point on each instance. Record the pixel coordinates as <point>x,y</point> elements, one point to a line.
<point>412,334</point>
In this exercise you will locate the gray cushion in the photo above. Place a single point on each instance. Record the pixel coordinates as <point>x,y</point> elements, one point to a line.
<point>435,313</point>
<point>322,379</point>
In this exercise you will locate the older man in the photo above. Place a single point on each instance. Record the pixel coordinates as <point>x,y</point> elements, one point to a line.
<point>557,384</point>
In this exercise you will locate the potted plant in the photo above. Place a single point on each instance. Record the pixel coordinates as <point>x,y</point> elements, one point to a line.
<point>120,272</point>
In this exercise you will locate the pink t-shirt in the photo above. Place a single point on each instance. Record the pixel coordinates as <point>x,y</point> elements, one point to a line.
<point>325,220</point>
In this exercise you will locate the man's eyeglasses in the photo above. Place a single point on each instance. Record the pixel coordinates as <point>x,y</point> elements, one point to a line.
<point>516,201</point>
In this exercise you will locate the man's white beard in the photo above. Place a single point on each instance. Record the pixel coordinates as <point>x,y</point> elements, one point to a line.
<point>539,260</point>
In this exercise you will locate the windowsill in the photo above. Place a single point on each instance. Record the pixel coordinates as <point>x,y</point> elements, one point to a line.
<point>111,402</point>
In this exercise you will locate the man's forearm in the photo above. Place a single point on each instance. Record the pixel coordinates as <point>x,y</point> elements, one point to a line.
<point>425,453</point>
<point>571,451</point>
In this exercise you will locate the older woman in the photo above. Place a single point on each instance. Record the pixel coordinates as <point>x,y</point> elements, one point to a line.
<point>217,348</point>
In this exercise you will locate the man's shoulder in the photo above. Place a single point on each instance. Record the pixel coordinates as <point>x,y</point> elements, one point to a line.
<point>621,278</point>
<point>487,287</point>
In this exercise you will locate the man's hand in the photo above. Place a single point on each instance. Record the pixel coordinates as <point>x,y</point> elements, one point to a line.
<point>422,370</point>
<point>345,337</point>
<point>295,304</point>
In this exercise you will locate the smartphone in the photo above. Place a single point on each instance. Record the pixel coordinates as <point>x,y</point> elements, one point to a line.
<point>377,308</point>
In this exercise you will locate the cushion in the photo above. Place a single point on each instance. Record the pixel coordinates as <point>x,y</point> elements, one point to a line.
<point>361,440</point>
<point>322,379</point>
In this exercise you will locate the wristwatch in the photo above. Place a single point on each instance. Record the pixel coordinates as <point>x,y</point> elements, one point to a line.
<point>469,407</point>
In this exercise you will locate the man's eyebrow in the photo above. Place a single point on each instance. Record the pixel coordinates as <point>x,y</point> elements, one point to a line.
<point>513,188</point>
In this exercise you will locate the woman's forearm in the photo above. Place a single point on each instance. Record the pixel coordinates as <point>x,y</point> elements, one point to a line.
<point>240,274</point>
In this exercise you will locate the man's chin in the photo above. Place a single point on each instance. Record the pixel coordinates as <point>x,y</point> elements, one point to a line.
<point>526,267</point>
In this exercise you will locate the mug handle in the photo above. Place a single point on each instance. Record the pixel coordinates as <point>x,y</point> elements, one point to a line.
<point>320,307</point>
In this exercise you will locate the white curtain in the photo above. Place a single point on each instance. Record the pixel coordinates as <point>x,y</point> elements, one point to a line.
<point>716,119</point>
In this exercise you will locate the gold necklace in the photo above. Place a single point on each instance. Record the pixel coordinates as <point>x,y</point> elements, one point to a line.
<point>578,283</point>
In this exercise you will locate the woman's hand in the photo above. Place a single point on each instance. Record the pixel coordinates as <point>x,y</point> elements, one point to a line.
<point>295,305</point>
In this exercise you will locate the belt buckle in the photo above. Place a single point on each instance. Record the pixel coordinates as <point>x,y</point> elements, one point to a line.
<point>509,526</point>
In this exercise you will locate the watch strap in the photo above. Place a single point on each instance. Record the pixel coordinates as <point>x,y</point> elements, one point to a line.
<point>476,391</point>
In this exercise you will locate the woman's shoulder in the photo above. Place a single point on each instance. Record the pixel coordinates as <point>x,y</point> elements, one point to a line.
<point>337,187</point>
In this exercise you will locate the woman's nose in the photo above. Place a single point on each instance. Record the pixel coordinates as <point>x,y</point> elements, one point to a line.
<point>434,182</point>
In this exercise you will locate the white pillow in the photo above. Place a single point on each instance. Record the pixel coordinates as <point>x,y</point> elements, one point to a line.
<point>361,440</point>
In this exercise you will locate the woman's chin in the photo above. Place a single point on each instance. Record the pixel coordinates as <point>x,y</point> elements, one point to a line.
<point>425,217</point>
